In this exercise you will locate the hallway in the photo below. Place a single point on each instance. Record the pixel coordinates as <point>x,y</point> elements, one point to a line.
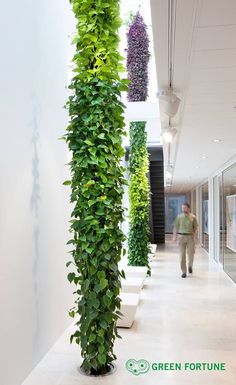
<point>178,320</point>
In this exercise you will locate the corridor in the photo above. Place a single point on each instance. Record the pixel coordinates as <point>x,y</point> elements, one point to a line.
<point>178,321</point>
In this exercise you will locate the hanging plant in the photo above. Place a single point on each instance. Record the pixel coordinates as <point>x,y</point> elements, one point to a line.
<point>139,190</point>
<point>94,137</point>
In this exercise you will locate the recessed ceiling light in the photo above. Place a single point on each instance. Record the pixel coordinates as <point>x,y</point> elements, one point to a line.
<point>168,174</point>
<point>167,137</point>
<point>168,134</point>
<point>204,157</point>
<point>197,167</point>
<point>217,140</point>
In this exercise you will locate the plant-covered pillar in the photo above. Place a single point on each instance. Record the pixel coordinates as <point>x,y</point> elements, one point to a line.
<point>94,137</point>
<point>139,190</point>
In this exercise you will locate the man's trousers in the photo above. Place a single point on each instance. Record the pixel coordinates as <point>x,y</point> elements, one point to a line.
<point>186,243</point>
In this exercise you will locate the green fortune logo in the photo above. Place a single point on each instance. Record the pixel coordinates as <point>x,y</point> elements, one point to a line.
<point>137,367</point>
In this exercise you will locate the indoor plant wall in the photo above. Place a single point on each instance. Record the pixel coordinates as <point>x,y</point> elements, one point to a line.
<point>94,137</point>
<point>139,190</point>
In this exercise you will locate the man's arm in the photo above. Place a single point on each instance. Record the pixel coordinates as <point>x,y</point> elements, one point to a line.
<point>174,234</point>
<point>175,229</point>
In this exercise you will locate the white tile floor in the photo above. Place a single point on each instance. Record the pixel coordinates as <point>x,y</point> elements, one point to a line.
<point>178,320</point>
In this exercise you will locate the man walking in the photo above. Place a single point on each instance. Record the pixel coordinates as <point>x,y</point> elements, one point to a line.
<point>187,227</point>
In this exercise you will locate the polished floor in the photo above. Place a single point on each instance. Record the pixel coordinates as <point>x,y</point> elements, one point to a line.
<point>190,320</point>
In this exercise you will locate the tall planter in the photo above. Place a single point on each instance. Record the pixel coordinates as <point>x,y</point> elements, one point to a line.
<point>94,137</point>
<point>138,241</point>
<point>139,189</point>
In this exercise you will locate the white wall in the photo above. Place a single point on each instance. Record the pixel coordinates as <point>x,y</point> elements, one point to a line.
<point>34,293</point>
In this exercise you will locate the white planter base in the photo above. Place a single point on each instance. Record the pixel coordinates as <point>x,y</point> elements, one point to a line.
<point>132,285</point>
<point>129,306</point>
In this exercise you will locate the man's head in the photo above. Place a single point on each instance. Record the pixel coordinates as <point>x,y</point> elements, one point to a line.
<point>186,208</point>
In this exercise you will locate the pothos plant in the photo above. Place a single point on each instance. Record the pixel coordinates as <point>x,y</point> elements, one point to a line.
<point>94,137</point>
<point>139,190</point>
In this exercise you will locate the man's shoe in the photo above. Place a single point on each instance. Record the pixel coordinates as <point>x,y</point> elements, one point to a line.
<point>190,270</point>
<point>184,275</point>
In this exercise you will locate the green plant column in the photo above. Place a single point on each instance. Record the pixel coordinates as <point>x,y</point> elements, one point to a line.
<point>139,190</point>
<point>94,137</point>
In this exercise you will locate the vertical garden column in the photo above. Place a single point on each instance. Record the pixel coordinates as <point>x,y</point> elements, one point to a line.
<point>139,190</point>
<point>94,137</point>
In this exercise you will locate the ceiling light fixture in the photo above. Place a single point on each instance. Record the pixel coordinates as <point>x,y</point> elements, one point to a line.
<point>169,167</point>
<point>168,134</point>
<point>172,101</point>
<point>217,140</point>
<point>167,137</point>
<point>168,174</point>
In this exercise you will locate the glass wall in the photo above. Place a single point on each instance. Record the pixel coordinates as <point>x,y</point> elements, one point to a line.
<point>221,219</point>
<point>218,228</point>
<point>193,202</point>
<point>229,221</point>
<point>204,227</point>
<point>173,208</point>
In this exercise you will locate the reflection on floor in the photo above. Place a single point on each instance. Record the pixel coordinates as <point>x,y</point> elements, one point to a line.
<point>178,320</point>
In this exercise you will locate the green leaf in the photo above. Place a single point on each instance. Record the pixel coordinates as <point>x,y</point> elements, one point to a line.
<point>71,241</point>
<point>67,183</point>
<point>87,141</point>
<point>71,277</point>
<point>72,314</point>
<point>101,274</point>
<point>101,333</point>
<point>92,337</point>
<point>101,349</point>
<point>107,301</point>
<point>109,293</point>
<point>103,324</point>
<point>101,136</point>
<point>102,359</point>
<point>95,303</point>
<point>103,283</point>
<point>122,274</point>
<point>82,302</point>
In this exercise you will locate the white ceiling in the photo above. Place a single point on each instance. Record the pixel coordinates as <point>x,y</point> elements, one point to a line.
<point>204,75</point>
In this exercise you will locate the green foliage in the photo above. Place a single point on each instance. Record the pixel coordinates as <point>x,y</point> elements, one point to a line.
<point>139,190</point>
<point>94,137</point>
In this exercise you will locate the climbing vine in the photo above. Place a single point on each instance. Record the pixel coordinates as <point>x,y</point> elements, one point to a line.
<point>94,137</point>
